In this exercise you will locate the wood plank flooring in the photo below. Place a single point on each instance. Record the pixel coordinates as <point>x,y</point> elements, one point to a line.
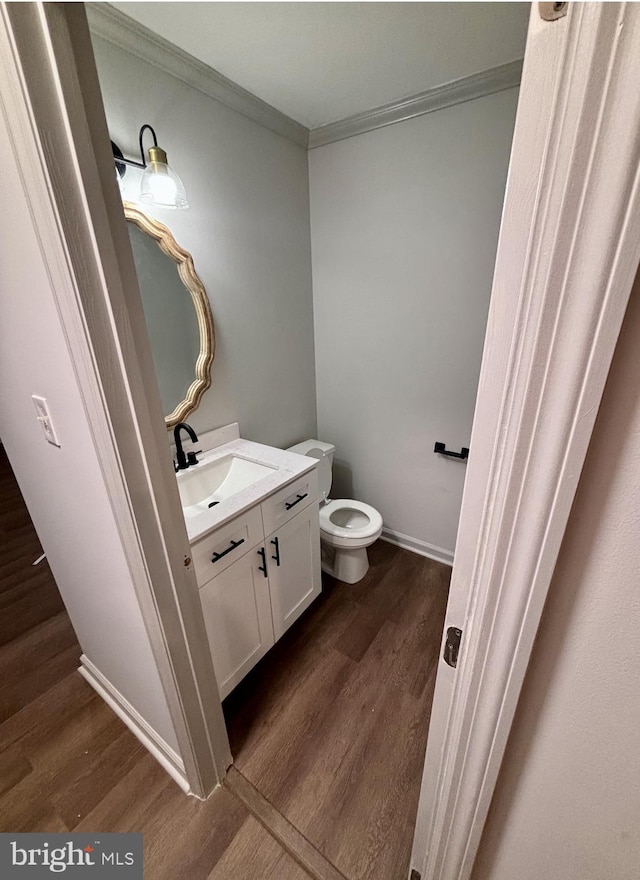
<point>329,730</point>
<point>37,643</point>
<point>331,726</point>
<point>67,762</point>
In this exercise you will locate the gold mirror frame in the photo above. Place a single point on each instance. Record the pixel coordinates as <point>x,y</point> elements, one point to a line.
<point>184,264</point>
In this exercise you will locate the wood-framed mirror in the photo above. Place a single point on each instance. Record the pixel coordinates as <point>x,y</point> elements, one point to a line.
<point>177,313</point>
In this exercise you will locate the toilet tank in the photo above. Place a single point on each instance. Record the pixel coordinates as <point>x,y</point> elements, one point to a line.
<point>323,452</point>
<point>307,445</point>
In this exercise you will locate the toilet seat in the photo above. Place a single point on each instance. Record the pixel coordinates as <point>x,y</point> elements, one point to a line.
<point>334,517</point>
<point>347,527</point>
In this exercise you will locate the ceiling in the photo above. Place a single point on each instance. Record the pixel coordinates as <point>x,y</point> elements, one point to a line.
<point>321,62</point>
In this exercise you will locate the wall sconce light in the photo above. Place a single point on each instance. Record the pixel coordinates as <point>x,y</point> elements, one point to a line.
<point>159,186</point>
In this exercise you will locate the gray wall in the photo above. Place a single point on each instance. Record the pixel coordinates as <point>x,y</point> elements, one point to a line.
<point>404,224</point>
<point>64,487</point>
<point>248,231</point>
<point>567,804</point>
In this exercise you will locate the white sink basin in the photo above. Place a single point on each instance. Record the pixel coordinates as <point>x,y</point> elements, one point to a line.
<point>204,485</point>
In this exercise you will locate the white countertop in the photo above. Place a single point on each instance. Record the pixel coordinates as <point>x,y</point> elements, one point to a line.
<point>289,466</point>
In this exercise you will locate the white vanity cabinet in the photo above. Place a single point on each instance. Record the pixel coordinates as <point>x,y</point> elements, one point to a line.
<point>237,615</point>
<point>257,574</point>
<point>294,568</point>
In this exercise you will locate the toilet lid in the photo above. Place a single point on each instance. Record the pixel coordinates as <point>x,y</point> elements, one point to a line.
<point>324,471</point>
<point>345,518</point>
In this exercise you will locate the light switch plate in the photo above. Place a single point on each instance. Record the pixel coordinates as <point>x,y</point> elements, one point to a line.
<point>44,417</point>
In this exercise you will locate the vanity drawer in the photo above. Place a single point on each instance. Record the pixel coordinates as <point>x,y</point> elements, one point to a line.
<point>221,548</point>
<point>288,501</point>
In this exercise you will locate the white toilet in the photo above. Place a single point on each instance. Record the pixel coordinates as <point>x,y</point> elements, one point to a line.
<point>347,527</point>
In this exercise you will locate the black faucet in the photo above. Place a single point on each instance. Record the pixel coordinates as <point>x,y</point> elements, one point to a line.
<point>184,461</point>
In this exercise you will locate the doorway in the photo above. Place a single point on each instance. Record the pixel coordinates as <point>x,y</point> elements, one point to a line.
<point>588,308</point>
<point>359,639</point>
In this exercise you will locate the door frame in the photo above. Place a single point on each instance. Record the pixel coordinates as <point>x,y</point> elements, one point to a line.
<point>567,256</point>
<point>53,109</point>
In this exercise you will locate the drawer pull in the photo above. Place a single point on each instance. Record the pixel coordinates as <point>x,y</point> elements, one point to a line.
<point>289,504</point>
<point>263,567</point>
<point>276,544</point>
<point>232,546</point>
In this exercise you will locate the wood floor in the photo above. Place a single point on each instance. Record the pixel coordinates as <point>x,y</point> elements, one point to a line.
<point>332,738</point>
<point>331,726</point>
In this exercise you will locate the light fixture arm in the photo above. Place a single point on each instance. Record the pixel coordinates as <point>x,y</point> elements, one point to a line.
<point>120,159</point>
<point>155,142</point>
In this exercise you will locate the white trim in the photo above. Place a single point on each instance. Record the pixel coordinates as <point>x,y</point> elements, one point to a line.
<point>567,257</point>
<point>496,79</point>
<point>116,27</point>
<point>422,548</point>
<point>151,740</point>
<point>119,29</point>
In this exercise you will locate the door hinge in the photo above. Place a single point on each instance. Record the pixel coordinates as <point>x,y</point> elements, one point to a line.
<point>452,646</point>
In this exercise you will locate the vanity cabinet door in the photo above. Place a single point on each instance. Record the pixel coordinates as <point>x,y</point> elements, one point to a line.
<point>237,615</point>
<point>293,553</point>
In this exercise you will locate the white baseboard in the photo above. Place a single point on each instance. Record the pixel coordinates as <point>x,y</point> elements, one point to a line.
<point>160,750</point>
<point>416,546</point>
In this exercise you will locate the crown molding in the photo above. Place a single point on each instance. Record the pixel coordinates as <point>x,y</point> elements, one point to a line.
<point>112,25</point>
<point>496,79</point>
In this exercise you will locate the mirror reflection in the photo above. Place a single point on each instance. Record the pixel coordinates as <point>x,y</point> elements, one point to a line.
<point>177,315</point>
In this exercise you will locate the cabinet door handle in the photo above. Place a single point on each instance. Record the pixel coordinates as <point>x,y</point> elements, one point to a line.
<point>276,544</point>
<point>263,556</point>
<point>232,546</point>
<point>289,504</point>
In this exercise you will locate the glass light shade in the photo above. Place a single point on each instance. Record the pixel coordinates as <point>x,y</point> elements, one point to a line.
<point>160,186</point>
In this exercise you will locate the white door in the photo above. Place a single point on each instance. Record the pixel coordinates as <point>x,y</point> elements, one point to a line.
<point>567,255</point>
<point>293,554</point>
<point>237,615</point>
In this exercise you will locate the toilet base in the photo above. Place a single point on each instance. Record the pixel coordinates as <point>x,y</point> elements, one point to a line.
<point>348,566</point>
